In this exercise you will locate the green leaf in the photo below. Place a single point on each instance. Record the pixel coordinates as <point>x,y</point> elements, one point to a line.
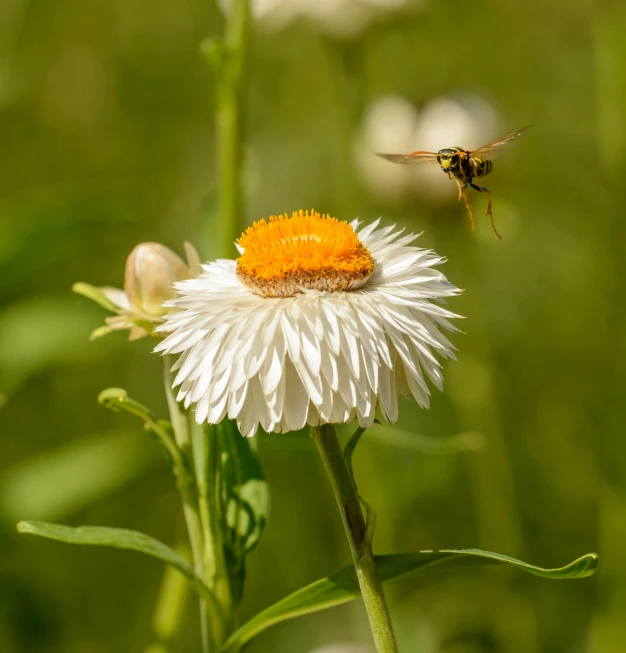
<point>348,450</point>
<point>245,497</point>
<point>95,294</point>
<point>342,586</point>
<point>246,494</point>
<point>100,332</point>
<point>118,538</point>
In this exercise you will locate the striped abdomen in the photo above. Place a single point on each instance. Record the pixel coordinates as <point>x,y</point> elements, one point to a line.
<point>480,167</point>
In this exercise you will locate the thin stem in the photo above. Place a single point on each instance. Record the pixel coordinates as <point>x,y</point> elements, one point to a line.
<point>229,122</point>
<point>177,414</point>
<point>188,491</point>
<point>358,535</point>
<point>207,456</point>
<point>117,399</point>
<point>186,478</point>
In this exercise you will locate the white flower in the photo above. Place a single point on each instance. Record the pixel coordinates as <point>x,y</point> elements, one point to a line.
<point>315,323</point>
<point>341,18</point>
<point>151,270</point>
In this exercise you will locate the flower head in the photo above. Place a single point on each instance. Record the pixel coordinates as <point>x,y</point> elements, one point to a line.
<point>317,322</point>
<point>151,270</point>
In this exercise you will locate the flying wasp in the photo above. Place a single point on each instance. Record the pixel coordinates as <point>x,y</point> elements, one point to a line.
<point>464,166</point>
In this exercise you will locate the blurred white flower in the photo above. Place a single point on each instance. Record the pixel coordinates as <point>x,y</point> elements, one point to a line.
<point>343,18</point>
<point>393,125</point>
<point>343,648</point>
<point>315,323</point>
<point>389,125</point>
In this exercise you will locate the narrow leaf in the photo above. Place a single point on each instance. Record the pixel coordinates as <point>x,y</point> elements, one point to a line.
<point>342,586</point>
<point>118,538</point>
<point>100,332</point>
<point>348,450</point>
<point>246,493</point>
<point>95,294</point>
<point>245,499</point>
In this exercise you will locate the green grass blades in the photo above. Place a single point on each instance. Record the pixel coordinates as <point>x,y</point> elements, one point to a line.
<point>342,586</point>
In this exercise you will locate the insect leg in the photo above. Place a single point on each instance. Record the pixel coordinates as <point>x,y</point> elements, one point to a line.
<point>467,204</point>
<point>480,189</point>
<point>458,184</point>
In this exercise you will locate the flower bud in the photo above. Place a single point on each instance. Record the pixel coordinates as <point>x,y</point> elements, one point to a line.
<point>151,269</point>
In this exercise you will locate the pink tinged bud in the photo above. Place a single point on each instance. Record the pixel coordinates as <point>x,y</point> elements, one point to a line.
<point>151,270</point>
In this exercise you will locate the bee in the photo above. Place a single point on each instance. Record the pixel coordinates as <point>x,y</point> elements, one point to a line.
<point>464,166</point>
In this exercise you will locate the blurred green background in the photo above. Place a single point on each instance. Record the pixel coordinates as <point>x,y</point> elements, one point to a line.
<point>106,139</point>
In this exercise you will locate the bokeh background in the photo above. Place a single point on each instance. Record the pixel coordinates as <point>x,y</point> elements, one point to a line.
<point>106,139</point>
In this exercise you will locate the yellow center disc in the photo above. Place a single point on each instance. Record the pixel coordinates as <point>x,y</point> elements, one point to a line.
<point>305,251</point>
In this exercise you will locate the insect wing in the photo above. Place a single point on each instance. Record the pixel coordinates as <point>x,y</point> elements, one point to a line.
<point>492,149</point>
<point>411,159</point>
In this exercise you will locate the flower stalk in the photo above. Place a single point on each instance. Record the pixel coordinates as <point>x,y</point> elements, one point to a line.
<point>228,59</point>
<point>359,535</point>
<point>207,458</point>
<point>198,490</point>
<point>186,478</point>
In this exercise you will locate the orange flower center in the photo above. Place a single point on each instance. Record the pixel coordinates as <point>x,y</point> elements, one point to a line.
<point>286,255</point>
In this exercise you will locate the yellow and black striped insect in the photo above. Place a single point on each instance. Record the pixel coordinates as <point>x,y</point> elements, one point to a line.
<point>464,166</point>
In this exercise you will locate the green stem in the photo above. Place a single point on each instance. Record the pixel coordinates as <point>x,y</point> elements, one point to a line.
<point>186,478</point>
<point>230,71</point>
<point>357,533</point>
<point>191,509</point>
<point>207,456</point>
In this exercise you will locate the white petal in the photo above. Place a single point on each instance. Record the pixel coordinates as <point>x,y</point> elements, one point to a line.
<point>292,337</point>
<point>296,401</point>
